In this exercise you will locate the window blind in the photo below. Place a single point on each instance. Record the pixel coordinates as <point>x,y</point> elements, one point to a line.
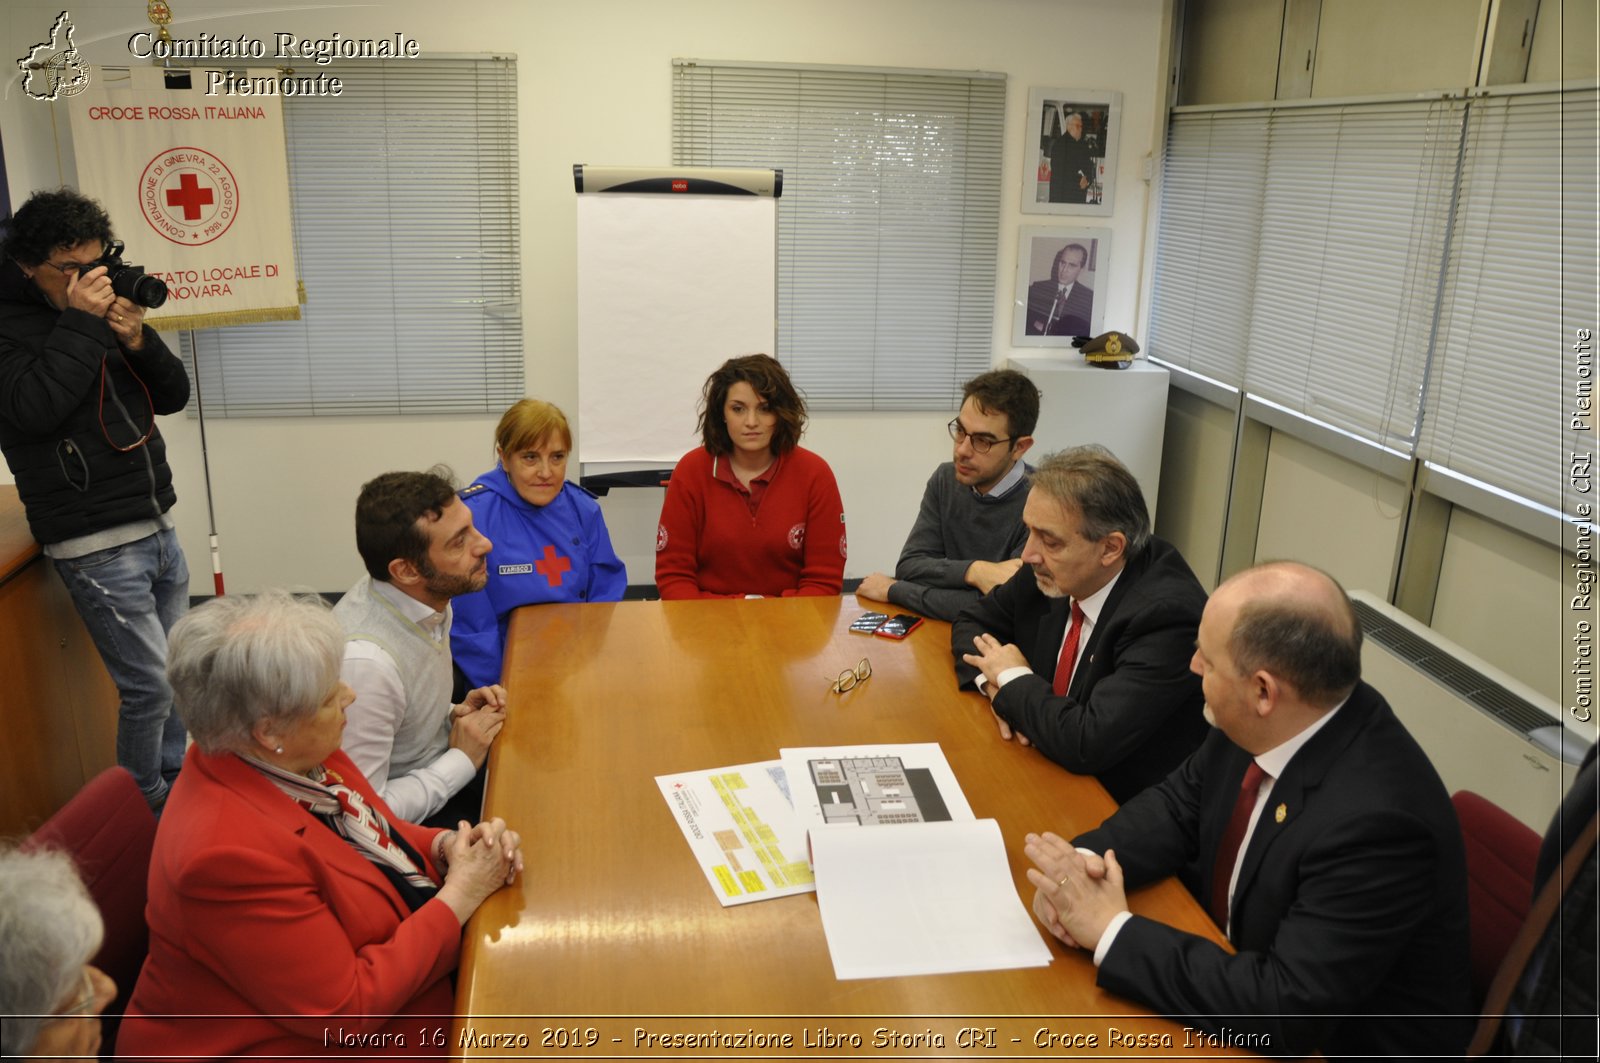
<point>888,225</point>
<point>1354,212</point>
<point>1523,280</point>
<point>1210,223</point>
<point>405,201</point>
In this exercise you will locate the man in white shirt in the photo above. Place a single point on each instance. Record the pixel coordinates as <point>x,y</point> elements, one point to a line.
<point>421,753</point>
<point>1312,827</point>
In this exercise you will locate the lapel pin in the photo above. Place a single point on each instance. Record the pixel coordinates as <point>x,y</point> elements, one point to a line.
<point>1280,814</point>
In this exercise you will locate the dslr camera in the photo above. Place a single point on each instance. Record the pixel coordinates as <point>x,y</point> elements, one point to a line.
<point>130,281</point>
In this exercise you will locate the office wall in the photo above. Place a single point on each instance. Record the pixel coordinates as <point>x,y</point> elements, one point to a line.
<point>1498,591</point>
<point>1196,463</point>
<point>1565,41</point>
<point>1423,44</point>
<point>595,87</point>
<point>1231,48</point>
<point>1321,508</point>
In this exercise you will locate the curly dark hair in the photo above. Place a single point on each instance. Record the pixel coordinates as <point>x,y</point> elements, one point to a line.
<point>767,378</point>
<point>49,221</point>
<point>387,512</point>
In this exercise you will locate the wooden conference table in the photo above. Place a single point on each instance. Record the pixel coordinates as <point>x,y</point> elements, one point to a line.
<point>58,703</point>
<point>613,928</point>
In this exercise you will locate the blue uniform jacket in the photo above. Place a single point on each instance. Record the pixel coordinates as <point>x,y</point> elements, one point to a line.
<point>555,553</point>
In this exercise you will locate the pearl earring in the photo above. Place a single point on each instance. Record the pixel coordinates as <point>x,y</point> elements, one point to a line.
<point>278,750</point>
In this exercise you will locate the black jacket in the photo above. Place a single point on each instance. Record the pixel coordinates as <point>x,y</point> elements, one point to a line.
<point>67,391</point>
<point>1350,913</point>
<point>1133,711</point>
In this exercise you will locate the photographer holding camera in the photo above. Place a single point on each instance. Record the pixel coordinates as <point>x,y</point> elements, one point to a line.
<point>81,382</point>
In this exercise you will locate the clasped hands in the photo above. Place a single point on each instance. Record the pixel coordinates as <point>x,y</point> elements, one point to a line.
<point>476,861</point>
<point>992,658</point>
<point>476,722</point>
<point>1076,894</point>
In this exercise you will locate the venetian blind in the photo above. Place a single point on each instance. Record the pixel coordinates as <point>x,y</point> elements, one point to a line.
<point>1211,183</point>
<point>888,224</point>
<point>1522,282</point>
<point>404,193</point>
<point>1354,212</point>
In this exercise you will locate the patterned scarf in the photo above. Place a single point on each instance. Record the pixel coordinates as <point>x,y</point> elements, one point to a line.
<point>347,813</point>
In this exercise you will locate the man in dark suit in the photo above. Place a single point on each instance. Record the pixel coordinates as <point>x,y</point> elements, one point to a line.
<point>1072,164</point>
<point>1084,652</point>
<point>1061,306</point>
<point>1313,827</point>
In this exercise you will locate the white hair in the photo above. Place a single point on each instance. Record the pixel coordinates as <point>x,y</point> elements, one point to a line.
<point>241,660</point>
<point>51,928</point>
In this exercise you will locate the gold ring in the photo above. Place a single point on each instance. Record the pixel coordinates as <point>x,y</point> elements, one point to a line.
<point>1062,881</point>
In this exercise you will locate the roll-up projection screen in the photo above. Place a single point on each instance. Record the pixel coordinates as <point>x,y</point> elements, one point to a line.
<point>671,283</point>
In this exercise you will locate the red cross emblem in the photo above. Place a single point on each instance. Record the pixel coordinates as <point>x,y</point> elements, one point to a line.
<point>190,196</point>
<point>552,566</point>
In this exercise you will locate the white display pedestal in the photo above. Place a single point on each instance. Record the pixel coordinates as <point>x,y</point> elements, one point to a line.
<point>1124,410</point>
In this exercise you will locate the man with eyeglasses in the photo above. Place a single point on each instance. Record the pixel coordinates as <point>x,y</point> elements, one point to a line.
<point>1084,653</point>
<point>969,532</point>
<point>82,380</point>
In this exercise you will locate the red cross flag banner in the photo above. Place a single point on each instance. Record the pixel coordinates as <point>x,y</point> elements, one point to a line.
<point>197,187</point>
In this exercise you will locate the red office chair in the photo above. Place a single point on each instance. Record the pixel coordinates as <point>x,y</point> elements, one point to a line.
<point>109,830</point>
<point>1501,853</point>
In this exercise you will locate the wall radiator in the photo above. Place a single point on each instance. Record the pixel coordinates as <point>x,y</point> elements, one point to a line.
<point>1484,730</point>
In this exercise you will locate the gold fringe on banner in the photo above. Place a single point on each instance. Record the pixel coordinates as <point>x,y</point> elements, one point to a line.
<point>233,317</point>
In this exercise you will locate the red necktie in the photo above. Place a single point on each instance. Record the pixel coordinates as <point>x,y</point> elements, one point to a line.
<point>1069,653</point>
<point>1228,848</point>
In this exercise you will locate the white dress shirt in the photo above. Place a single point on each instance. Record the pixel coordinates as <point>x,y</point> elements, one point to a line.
<point>381,697</point>
<point>1092,607</point>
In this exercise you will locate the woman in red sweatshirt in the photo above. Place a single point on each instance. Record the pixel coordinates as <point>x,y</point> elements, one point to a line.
<point>751,514</point>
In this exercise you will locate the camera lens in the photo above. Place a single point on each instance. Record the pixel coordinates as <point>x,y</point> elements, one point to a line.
<point>149,291</point>
<point>133,283</point>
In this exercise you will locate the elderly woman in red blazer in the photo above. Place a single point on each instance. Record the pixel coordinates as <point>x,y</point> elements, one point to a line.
<point>285,898</point>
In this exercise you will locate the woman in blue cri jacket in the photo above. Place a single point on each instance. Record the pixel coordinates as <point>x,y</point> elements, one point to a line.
<point>550,541</point>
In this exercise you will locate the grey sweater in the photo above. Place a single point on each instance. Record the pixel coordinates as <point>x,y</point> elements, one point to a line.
<point>954,528</point>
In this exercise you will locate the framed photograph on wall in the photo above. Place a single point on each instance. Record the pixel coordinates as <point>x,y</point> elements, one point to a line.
<point>1058,276</point>
<point>1070,151</point>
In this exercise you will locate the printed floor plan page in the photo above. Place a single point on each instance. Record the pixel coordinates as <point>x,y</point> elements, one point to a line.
<point>874,790</point>
<point>871,786</point>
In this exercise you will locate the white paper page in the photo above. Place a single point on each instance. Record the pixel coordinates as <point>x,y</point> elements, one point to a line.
<point>927,898</point>
<point>669,287</point>
<point>741,826</point>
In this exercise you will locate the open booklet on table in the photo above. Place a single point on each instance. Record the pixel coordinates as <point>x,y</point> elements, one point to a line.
<point>932,893</point>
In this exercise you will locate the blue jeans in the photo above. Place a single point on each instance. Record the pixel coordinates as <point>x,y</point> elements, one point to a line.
<point>129,597</point>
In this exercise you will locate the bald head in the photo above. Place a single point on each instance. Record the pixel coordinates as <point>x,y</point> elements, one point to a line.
<point>1296,623</point>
